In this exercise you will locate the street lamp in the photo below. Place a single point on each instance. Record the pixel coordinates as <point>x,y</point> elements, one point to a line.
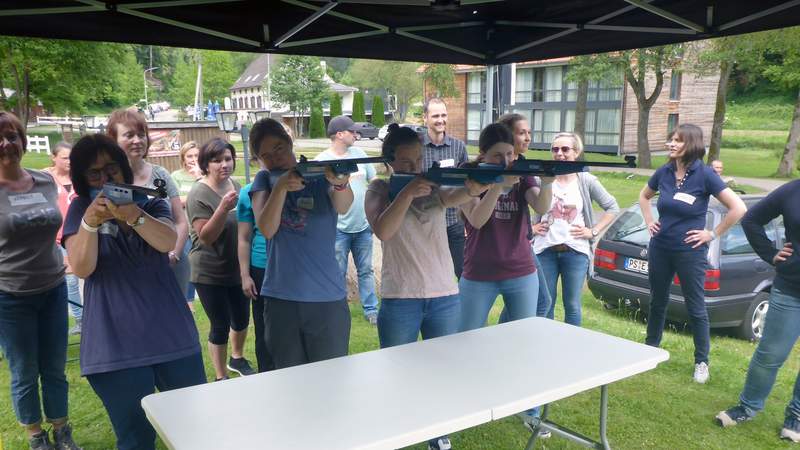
<point>255,116</point>
<point>144,77</point>
<point>226,121</point>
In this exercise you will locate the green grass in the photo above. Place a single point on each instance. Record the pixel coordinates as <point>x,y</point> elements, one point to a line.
<point>760,111</point>
<point>661,409</point>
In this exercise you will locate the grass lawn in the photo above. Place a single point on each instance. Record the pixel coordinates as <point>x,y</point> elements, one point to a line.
<point>659,409</point>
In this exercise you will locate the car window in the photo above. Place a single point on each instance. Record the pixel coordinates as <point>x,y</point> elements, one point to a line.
<point>631,228</point>
<point>735,241</point>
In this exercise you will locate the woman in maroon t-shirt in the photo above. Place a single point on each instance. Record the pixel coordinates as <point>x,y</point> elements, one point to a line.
<point>497,255</point>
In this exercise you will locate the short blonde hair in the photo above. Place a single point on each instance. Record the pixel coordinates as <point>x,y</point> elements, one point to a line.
<point>577,142</point>
<point>185,149</point>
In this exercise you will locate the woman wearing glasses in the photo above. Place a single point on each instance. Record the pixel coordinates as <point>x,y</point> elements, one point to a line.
<point>565,233</point>
<point>138,335</point>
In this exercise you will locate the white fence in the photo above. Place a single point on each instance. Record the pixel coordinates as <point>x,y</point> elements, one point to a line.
<point>54,120</point>
<point>38,144</point>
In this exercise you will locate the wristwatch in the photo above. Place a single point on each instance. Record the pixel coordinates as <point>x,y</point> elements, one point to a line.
<point>594,233</point>
<point>138,222</point>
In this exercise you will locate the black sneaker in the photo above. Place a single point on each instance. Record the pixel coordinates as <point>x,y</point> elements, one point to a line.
<point>62,438</point>
<point>791,429</point>
<point>40,441</point>
<point>240,366</point>
<point>733,416</point>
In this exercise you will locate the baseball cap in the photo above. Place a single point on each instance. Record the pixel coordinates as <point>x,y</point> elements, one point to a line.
<point>340,123</point>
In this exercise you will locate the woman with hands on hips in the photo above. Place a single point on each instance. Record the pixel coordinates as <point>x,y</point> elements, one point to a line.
<point>679,238</point>
<point>138,335</point>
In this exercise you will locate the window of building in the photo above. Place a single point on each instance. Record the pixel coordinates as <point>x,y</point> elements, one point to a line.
<point>551,124</point>
<point>607,126</point>
<point>672,123</point>
<point>474,122</point>
<point>524,88</point>
<point>675,86</point>
<point>552,83</point>
<point>475,88</point>
<point>258,100</point>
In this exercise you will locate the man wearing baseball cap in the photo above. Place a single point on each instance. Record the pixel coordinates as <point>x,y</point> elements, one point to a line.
<point>353,233</point>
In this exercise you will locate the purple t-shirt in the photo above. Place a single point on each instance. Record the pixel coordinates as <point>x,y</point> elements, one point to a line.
<point>500,249</point>
<point>134,312</point>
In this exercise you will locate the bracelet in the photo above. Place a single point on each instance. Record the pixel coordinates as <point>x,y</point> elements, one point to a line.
<point>341,187</point>
<point>88,227</point>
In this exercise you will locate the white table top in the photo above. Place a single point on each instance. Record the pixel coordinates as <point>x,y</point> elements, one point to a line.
<point>402,395</point>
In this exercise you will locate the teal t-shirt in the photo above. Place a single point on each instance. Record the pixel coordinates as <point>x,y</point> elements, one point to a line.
<point>258,245</point>
<point>355,221</point>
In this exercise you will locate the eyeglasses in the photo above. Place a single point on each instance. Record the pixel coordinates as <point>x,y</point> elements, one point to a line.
<point>110,170</point>
<point>564,149</point>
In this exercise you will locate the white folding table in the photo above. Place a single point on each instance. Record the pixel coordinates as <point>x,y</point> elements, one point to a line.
<point>402,395</point>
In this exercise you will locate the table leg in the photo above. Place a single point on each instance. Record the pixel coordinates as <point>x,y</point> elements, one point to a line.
<point>574,436</point>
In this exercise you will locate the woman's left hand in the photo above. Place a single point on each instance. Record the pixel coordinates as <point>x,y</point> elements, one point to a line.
<point>698,237</point>
<point>125,213</point>
<point>580,232</point>
<point>336,180</point>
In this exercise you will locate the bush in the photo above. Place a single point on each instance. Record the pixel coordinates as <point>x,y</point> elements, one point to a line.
<point>317,122</point>
<point>377,111</point>
<point>358,108</point>
<point>336,105</point>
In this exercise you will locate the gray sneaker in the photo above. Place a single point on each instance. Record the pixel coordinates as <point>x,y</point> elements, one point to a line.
<point>240,366</point>
<point>62,438</point>
<point>531,422</point>
<point>40,441</point>
<point>373,319</point>
<point>732,416</point>
<point>791,429</point>
<point>76,329</point>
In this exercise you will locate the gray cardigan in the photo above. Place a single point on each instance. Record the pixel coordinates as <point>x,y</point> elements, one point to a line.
<point>591,189</point>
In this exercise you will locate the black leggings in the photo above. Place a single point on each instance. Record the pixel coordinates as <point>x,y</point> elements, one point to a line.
<point>226,307</point>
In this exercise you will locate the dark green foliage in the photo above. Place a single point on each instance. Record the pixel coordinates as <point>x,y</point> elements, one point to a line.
<point>336,104</point>
<point>317,125</point>
<point>377,111</point>
<point>358,108</point>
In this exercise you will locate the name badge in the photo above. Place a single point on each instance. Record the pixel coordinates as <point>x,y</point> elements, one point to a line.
<point>305,203</point>
<point>685,198</point>
<point>447,163</point>
<point>32,198</point>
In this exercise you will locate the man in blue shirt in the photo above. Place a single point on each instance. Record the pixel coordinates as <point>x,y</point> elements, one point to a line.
<point>353,233</point>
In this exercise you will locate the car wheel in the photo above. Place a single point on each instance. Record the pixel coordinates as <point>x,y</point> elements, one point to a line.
<point>752,327</point>
<point>372,138</point>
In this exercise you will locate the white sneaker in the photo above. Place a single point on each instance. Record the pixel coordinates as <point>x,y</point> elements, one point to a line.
<point>701,373</point>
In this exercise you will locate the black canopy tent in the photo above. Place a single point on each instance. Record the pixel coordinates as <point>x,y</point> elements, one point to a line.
<point>484,32</point>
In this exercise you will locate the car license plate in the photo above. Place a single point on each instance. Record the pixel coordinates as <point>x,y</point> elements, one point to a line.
<point>636,265</point>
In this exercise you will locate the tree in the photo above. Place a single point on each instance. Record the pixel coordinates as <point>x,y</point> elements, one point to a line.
<point>585,69</point>
<point>637,64</point>
<point>298,83</point>
<point>336,104</point>
<point>782,65</point>
<point>441,79</point>
<point>377,111</point>
<point>720,55</point>
<point>316,127</point>
<point>219,74</point>
<point>358,108</point>
<point>397,78</point>
<point>66,76</point>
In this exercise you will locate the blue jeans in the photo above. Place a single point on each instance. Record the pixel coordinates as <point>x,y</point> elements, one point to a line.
<point>690,266</point>
<point>543,302</point>
<point>182,272</point>
<point>781,330</point>
<point>122,392</point>
<point>572,267</point>
<point>361,245</point>
<point>73,292</point>
<point>520,296</point>
<point>33,334</point>
<point>401,320</point>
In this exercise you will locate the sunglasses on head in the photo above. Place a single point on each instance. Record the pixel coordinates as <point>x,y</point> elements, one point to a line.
<point>563,149</point>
